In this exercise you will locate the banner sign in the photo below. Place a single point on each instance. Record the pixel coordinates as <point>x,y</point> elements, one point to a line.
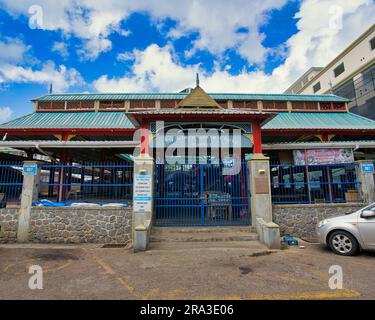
<point>323,156</point>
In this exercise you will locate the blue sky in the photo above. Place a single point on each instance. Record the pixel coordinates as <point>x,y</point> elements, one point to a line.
<point>135,46</point>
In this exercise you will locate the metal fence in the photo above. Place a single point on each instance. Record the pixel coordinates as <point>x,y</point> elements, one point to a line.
<point>11,180</point>
<point>88,182</point>
<point>315,183</point>
<point>200,195</point>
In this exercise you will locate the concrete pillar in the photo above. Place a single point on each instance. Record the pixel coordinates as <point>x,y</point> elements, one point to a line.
<point>260,188</point>
<point>29,195</point>
<point>143,201</point>
<point>271,235</point>
<point>365,174</point>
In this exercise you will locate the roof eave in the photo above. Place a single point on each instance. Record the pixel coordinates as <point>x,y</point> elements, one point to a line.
<point>333,130</point>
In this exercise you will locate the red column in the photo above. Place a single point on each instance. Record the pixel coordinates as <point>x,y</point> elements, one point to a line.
<point>325,137</point>
<point>257,136</point>
<point>145,137</point>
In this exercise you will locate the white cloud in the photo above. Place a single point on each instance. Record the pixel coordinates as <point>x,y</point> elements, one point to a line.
<point>154,69</point>
<point>5,114</point>
<point>12,50</point>
<point>125,56</point>
<point>13,68</point>
<point>60,77</point>
<point>315,44</point>
<point>61,48</point>
<point>216,22</point>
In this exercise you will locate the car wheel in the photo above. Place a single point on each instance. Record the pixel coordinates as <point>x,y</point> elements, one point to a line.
<point>343,243</point>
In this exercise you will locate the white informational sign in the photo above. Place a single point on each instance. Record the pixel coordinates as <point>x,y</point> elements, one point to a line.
<point>142,193</point>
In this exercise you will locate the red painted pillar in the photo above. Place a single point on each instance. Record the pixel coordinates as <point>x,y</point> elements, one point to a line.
<point>257,136</point>
<point>145,137</point>
<point>325,137</point>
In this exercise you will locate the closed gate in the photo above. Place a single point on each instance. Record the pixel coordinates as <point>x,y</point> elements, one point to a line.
<point>200,195</point>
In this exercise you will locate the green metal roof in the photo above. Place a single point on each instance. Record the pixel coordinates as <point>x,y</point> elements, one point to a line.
<point>179,96</point>
<point>199,111</point>
<point>68,120</point>
<point>319,120</point>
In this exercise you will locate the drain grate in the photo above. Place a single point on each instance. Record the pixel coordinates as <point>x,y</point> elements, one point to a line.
<point>114,245</point>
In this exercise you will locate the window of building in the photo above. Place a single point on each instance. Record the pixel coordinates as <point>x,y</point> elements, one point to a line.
<point>251,104</point>
<point>268,105</point>
<point>168,104</point>
<point>311,105</point>
<point>372,43</point>
<point>339,69</point>
<point>298,105</point>
<point>281,105</point>
<point>316,87</point>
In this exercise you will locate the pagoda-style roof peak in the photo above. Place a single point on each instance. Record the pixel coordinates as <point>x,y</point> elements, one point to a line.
<point>198,99</point>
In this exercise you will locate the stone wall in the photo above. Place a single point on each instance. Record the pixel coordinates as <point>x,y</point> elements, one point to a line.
<point>300,220</point>
<point>8,225</point>
<point>70,225</point>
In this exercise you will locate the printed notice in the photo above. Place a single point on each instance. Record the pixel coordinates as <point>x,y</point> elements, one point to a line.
<point>142,193</point>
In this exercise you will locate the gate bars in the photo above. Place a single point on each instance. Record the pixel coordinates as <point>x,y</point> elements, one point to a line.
<point>199,195</point>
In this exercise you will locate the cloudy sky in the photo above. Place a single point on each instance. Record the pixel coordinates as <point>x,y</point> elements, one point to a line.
<point>158,46</point>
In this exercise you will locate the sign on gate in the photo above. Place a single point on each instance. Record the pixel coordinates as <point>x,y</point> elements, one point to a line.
<point>367,168</point>
<point>142,193</point>
<point>30,169</point>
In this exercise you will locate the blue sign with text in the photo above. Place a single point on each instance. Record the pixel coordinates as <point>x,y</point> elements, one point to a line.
<point>367,167</point>
<point>30,169</point>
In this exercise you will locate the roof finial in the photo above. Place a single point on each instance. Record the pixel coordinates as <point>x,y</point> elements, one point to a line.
<point>197,80</point>
<point>50,89</point>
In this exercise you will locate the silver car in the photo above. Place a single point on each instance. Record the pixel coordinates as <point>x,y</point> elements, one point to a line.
<point>347,235</point>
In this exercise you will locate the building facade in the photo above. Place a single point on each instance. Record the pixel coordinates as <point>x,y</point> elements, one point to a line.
<point>351,75</point>
<point>100,148</point>
<point>65,124</point>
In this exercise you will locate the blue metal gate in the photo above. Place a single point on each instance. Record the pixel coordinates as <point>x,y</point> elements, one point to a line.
<point>200,195</point>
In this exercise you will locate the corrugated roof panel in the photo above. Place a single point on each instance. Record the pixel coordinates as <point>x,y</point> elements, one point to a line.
<point>198,111</point>
<point>71,120</point>
<point>178,96</point>
<point>318,120</point>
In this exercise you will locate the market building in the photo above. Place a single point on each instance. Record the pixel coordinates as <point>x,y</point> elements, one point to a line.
<point>103,148</point>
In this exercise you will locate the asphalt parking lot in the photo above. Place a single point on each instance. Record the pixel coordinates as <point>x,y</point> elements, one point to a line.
<point>189,271</point>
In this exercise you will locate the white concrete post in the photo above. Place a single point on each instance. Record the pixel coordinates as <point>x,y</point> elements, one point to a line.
<point>143,201</point>
<point>260,188</point>
<point>31,176</point>
<point>366,178</point>
<point>271,236</point>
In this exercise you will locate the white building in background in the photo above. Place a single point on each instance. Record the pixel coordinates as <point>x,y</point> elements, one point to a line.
<point>351,75</point>
<point>303,80</point>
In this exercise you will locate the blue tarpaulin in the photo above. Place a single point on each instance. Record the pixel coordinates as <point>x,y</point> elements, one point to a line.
<point>48,203</point>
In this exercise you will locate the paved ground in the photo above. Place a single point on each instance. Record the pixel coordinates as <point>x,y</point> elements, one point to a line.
<point>183,271</point>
